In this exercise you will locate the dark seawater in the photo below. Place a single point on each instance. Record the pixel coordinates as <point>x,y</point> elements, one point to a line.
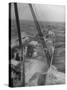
<point>57,27</point>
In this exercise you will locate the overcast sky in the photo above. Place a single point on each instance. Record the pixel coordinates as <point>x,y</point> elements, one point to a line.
<point>43,12</point>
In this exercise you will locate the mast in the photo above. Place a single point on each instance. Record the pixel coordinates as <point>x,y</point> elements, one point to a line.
<point>40,35</point>
<point>20,45</point>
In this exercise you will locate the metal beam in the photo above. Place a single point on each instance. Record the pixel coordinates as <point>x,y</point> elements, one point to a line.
<point>40,34</point>
<point>20,45</point>
<point>18,23</point>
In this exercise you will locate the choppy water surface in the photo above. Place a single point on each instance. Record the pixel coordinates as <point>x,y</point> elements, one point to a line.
<point>58,28</point>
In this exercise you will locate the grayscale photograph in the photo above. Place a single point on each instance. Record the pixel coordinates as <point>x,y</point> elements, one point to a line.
<point>36,44</point>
